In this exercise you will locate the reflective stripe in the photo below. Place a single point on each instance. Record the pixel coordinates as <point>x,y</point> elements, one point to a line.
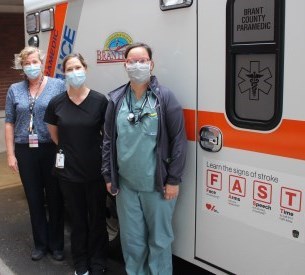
<point>286,141</point>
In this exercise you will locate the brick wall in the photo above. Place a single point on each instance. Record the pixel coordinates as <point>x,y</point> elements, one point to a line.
<point>11,42</point>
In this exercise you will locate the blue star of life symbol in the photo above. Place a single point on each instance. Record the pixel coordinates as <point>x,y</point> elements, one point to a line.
<point>254,80</point>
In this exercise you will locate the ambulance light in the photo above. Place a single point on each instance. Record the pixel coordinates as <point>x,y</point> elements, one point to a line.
<point>34,41</point>
<point>174,4</point>
<point>32,23</point>
<point>47,19</point>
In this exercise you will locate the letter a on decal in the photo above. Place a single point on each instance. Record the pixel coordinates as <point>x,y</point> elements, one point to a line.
<point>237,185</point>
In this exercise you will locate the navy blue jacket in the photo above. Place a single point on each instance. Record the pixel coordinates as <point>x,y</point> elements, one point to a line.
<point>171,137</point>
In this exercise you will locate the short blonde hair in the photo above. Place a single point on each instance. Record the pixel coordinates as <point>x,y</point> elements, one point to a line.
<point>23,55</point>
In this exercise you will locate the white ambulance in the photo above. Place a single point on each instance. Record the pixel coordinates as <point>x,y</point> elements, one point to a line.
<point>237,67</point>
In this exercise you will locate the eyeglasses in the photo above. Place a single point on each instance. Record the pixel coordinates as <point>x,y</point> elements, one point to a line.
<point>140,61</point>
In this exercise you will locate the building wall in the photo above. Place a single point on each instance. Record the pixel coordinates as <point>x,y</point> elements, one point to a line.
<point>12,41</point>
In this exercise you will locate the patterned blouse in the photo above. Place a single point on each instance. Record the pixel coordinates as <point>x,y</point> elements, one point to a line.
<point>17,109</point>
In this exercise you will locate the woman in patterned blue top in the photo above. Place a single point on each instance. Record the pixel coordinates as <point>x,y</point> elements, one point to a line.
<point>31,151</point>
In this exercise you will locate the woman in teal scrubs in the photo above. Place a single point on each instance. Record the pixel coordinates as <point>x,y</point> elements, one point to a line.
<point>143,159</point>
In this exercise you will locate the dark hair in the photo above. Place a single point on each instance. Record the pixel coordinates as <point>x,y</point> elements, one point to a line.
<point>138,45</point>
<point>73,55</point>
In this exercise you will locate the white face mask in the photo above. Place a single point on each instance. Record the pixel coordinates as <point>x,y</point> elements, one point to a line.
<point>76,78</point>
<point>138,73</point>
<point>32,71</point>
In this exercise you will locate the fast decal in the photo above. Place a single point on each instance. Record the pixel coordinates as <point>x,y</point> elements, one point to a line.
<point>269,200</point>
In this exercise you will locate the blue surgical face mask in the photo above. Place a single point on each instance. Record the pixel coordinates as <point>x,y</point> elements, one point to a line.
<point>138,73</point>
<point>32,71</point>
<point>76,78</point>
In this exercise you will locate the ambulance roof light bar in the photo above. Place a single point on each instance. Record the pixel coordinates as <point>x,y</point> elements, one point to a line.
<point>174,4</point>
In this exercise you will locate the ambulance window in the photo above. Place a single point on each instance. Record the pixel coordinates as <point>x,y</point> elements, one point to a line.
<point>47,19</point>
<point>32,23</point>
<point>174,4</point>
<point>254,52</point>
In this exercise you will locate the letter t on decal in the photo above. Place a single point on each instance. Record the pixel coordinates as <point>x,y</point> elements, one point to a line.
<point>291,199</point>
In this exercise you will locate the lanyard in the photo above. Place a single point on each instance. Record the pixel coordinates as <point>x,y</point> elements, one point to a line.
<point>32,101</point>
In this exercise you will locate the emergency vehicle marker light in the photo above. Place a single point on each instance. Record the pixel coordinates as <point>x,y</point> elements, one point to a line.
<point>47,19</point>
<point>32,23</point>
<point>174,4</point>
<point>34,41</point>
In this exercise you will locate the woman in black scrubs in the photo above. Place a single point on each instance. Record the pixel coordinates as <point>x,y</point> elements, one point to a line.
<point>75,121</point>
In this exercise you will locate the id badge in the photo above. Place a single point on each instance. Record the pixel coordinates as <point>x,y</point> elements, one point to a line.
<point>60,160</point>
<point>33,140</point>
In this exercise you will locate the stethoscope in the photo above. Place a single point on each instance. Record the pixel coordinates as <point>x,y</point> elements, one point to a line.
<point>131,116</point>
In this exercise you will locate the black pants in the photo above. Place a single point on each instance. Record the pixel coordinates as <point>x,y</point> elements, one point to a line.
<point>86,206</point>
<point>42,190</point>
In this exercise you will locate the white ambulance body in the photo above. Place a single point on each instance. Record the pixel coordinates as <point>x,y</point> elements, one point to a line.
<point>237,68</point>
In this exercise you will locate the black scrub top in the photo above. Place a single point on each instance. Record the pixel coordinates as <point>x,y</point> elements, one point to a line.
<point>79,135</point>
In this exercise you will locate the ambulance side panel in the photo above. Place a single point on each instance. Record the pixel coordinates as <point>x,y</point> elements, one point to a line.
<point>222,221</point>
<point>245,232</point>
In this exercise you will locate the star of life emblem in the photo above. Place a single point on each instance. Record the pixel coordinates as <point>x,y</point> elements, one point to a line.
<point>254,80</point>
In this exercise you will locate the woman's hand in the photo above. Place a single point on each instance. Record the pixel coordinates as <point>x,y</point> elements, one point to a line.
<point>108,186</point>
<point>171,191</point>
<point>12,163</point>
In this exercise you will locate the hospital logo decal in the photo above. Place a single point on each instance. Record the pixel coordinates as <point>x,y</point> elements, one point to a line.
<point>254,80</point>
<point>114,48</point>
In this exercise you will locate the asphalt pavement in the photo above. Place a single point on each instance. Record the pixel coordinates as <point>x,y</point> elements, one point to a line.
<point>16,237</point>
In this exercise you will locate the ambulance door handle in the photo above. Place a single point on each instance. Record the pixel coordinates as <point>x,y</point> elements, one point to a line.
<point>210,138</point>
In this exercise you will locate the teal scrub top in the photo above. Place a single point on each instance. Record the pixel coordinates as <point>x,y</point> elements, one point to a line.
<point>136,142</point>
